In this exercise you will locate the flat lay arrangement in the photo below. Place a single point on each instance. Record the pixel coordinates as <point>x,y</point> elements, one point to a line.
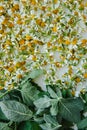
<point>43,65</point>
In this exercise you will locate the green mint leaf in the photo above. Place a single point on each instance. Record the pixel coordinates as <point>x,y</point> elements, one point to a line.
<point>29,93</point>
<point>35,73</point>
<point>43,102</point>
<point>4,126</point>
<point>54,108</point>
<point>70,109</point>
<point>82,124</point>
<point>52,93</point>
<point>28,125</point>
<point>15,111</point>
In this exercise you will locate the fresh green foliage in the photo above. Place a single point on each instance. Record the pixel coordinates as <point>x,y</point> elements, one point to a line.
<point>2,116</point>
<point>70,109</point>
<point>50,123</point>
<point>29,125</point>
<point>29,93</point>
<point>82,124</point>
<point>35,73</point>
<point>30,108</point>
<point>54,108</point>
<point>43,102</point>
<point>15,111</point>
<point>32,75</point>
<point>52,93</point>
<point>4,126</point>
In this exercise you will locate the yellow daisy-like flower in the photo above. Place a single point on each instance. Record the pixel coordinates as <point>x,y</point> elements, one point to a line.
<point>85,75</point>
<point>67,42</point>
<point>1,87</point>
<point>22,41</point>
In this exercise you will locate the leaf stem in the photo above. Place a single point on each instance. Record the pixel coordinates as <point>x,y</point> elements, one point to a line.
<point>4,94</point>
<point>18,89</point>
